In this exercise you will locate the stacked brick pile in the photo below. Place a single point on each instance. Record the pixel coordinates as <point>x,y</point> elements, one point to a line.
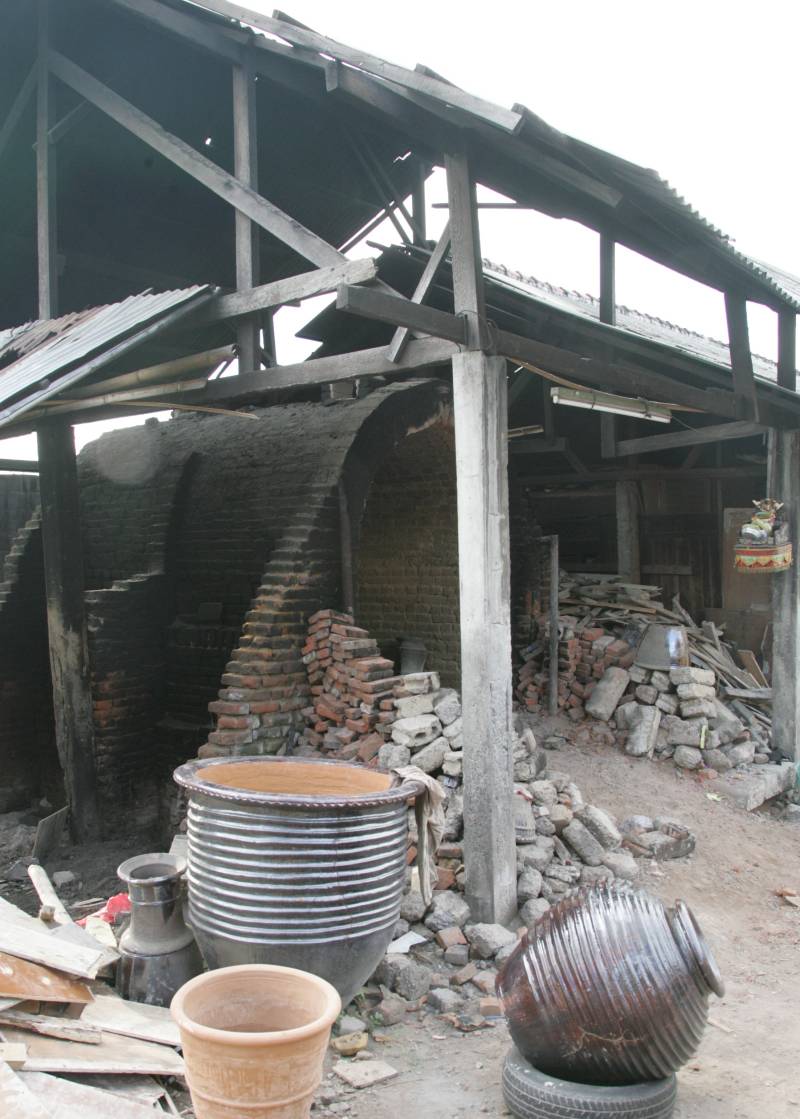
<point>584,654</point>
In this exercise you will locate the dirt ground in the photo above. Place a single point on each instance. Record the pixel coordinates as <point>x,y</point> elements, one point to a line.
<point>746,1067</point>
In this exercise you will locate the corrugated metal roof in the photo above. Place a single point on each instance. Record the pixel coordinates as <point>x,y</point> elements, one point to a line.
<point>39,359</point>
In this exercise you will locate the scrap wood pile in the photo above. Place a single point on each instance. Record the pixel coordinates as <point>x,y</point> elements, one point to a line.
<point>710,713</point>
<point>60,1018</point>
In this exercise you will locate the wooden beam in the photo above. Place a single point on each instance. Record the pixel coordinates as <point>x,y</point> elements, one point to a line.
<point>714,433</point>
<point>225,185</point>
<point>465,249</point>
<point>741,357</point>
<point>46,238</point>
<point>504,119</point>
<point>19,466</point>
<point>245,165</point>
<point>225,42</point>
<point>787,350</point>
<point>608,306</point>
<point>627,508</point>
<point>18,107</point>
<point>538,446</point>
<point>783,483</point>
<point>480,409</point>
<point>402,312</point>
<point>418,209</point>
<point>402,334</point>
<point>288,290</point>
<point>602,476</point>
<point>66,624</point>
<point>608,435</point>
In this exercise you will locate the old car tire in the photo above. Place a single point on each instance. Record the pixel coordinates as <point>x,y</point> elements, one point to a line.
<point>530,1094</point>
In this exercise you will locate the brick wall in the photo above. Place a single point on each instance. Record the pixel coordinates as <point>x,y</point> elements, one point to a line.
<point>19,498</point>
<point>407,555</point>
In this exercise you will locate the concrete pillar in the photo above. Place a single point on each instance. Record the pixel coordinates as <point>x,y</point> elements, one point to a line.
<point>628,566</point>
<point>784,484</point>
<point>481,424</point>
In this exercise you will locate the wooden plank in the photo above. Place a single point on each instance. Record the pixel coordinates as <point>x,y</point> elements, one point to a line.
<point>374,304</point>
<point>45,176</point>
<point>465,250</point>
<point>418,210</point>
<point>754,695</point>
<point>225,185</point>
<point>246,236</point>
<point>741,357</point>
<point>48,896</point>
<point>66,622</point>
<point>17,1100</point>
<point>50,951</point>
<point>747,659</point>
<point>787,349</point>
<point>19,466</point>
<point>504,119</point>
<point>132,1019</point>
<point>68,1029</point>
<point>18,107</point>
<point>69,1100</point>
<point>112,1055</point>
<point>714,433</point>
<point>13,1054</point>
<point>608,306</point>
<point>49,829</point>
<point>288,290</point>
<point>141,1089</point>
<point>403,334</point>
<point>220,42</point>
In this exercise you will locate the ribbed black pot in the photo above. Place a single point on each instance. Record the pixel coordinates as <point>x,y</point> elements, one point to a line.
<point>610,987</point>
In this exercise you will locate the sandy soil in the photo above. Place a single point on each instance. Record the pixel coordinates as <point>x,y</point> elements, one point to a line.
<point>747,1064</point>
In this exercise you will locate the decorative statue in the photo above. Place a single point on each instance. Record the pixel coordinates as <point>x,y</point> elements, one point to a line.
<point>761,526</point>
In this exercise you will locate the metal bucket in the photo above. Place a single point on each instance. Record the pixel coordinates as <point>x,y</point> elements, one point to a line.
<point>295,862</point>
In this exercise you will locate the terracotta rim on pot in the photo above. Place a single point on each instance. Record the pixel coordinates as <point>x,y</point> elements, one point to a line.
<point>250,1038</point>
<point>217,777</point>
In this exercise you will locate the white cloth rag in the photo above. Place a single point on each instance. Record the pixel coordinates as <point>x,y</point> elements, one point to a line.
<point>429,810</point>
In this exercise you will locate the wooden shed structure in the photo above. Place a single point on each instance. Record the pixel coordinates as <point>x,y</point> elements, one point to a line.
<point>183,168</point>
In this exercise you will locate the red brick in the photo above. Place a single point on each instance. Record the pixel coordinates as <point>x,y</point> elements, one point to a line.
<point>449,938</point>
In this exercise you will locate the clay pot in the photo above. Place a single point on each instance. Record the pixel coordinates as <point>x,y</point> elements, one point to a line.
<point>296,862</point>
<point>254,1038</point>
<point>609,987</point>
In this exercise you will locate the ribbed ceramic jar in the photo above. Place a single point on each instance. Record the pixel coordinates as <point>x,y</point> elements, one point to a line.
<point>295,862</point>
<point>609,987</point>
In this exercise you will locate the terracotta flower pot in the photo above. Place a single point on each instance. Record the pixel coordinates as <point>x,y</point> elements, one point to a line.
<point>254,1038</point>
<point>609,987</point>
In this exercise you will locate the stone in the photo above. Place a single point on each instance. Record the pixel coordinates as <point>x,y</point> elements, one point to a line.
<point>448,938</point>
<point>504,953</point>
<point>390,1010</point>
<point>646,694</point>
<point>486,939</point>
<point>62,878</point>
<point>464,974</point>
<point>642,737</point>
<point>741,754</point>
<point>626,715</point>
<point>607,694</point>
<point>622,864</point>
<point>554,742</point>
<point>636,825</point>
<point>453,764</point>
<point>432,756</point>
<point>559,816</point>
<point>537,854</point>
<point>697,708</point>
<point>727,725</point>
<point>544,793</point>
<point>416,731</point>
<point>601,826</point>
<point>683,732</point>
<point>393,756</point>
<point>349,1024</point>
<point>673,844</point>
<point>412,705</point>
<point>413,980</point>
<point>533,910</point>
<point>572,797</point>
<point>568,875</point>
<point>420,683</point>
<point>364,1074</point>
<point>529,884</point>
<point>715,759</point>
<point>688,757</point>
<point>444,1000</point>
<point>454,729</point>
<point>560,780</point>
<point>400,929</point>
<point>696,691</point>
<point>751,790</point>
<point>667,703</point>
<point>583,843</point>
<point>660,681</point>
<point>347,1045</point>
<point>457,956</point>
<point>485,981</point>
<point>448,909</point>
<point>447,706</point>
<point>638,674</point>
<point>454,817</point>
<point>684,675</point>
<point>412,907</point>
<point>591,875</point>
<point>545,826</point>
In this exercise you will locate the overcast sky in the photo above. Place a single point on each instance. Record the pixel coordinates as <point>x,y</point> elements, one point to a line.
<point>704,92</point>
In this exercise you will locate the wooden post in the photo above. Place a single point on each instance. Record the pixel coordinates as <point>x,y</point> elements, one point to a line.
<point>553,612</point>
<point>628,566</point>
<point>783,483</point>
<point>245,159</point>
<point>787,350</point>
<point>346,549</point>
<point>608,307</point>
<point>418,213</point>
<point>741,358</point>
<point>480,407</point>
<point>45,177</point>
<point>69,660</point>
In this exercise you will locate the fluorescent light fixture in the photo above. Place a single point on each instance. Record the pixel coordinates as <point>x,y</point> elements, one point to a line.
<point>607,402</point>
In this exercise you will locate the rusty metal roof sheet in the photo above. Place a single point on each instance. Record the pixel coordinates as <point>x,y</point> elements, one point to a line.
<point>39,359</point>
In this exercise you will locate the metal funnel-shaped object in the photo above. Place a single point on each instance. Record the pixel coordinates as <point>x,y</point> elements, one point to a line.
<point>663,647</point>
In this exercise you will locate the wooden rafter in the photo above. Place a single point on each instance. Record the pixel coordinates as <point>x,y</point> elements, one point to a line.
<point>714,433</point>
<point>741,357</point>
<point>18,107</point>
<point>232,190</point>
<point>402,334</point>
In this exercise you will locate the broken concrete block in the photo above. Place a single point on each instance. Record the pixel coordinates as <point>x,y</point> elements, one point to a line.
<point>660,681</point>
<point>559,816</point>
<point>602,827</point>
<point>639,675</point>
<point>544,793</point>
<point>412,980</point>
<point>487,939</point>
<point>448,909</point>
<point>412,907</point>
<point>444,1001</point>
<point>418,683</point>
<point>667,703</point>
<point>412,705</point>
<point>529,885</point>
<point>591,875</point>
<point>688,757</point>
<point>537,854</point>
<point>431,757</point>
<point>458,955</point>
<point>751,790</point>
<point>583,843</point>
<point>697,708</point>
<point>626,715</point>
<point>622,864</point>
<point>686,675</point>
<point>696,691</point>
<point>715,759</point>
<point>453,764</point>
<point>683,732</point>
<point>447,706</point>
<point>642,736</point>
<point>454,729</point>
<point>607,693</point>
<point>416,731</point>
<point>647,694</point>
<point>365,1074</point>
<point>392,756</point>
<point>532,910</point>
<point>741,754</point>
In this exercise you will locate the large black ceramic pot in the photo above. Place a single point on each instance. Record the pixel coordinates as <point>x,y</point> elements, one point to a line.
<point>609,987</point>
<point>295,862</point>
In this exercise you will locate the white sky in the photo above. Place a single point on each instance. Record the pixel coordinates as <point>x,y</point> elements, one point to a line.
<point>704,92</point>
